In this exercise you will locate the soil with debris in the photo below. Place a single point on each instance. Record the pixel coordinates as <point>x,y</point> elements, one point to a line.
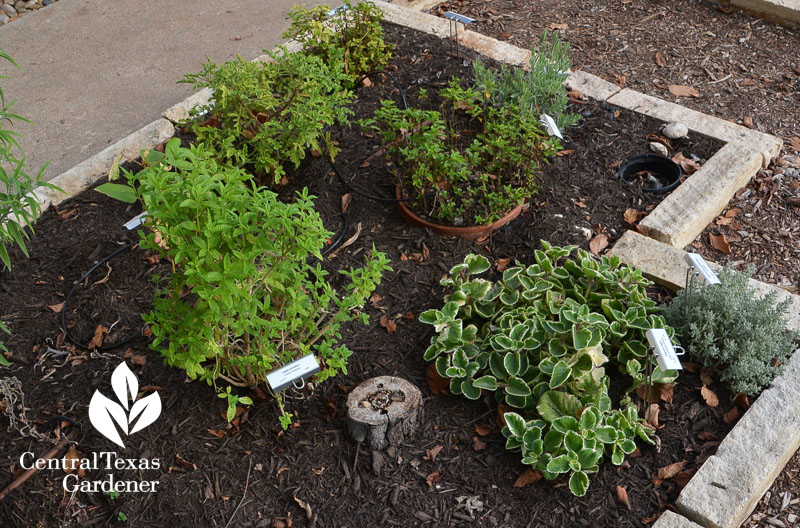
<point>780,505</point>
<point>456,472</point>
<point>744,69</point>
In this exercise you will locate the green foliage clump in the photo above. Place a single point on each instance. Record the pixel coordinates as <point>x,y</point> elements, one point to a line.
<point>265,115</point>
<point>727,327</point>
<point>539,339</point>
<point>19,207</point>
<point>350,34</point>
<point>535,92</point>
<point>244,296</point>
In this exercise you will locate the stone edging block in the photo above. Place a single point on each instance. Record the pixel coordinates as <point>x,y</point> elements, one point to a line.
<point>683,215</point>
<point>769,146</point>
<point>727,488</point>
<point>670,519</point>
<point>785,12</point>
<point>592,85</point>
<point>85,174</point>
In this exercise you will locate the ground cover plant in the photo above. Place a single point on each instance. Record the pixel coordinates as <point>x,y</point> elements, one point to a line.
<point>350,34</point>
<point>247,292</point>
<point>539,339</point>
<point>265,116</point>
<point>728,328</point>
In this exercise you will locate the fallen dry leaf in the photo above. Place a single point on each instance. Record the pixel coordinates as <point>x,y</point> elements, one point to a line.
<point>731,416</point>
<point>528,476</point>
<point>632,216</point>
<point>657,393</point>
<point>502,409</point>
<point>748,122</point>
<point>719,243</point>
<point>577,95</point>
<point>741,401</point>
<point>366,82</point>
<point>483,430</point>
<point>346,199</point>
<point>691,367</point>
<point>562,153</point>
<point>651,416</point>
<point>671,470</point>
<point>431,454</point>
<point>622,497</point>
<point>478,444</point>
<point>436,383</point>
<point>433,478</point>
<point>688,165</point>
<point>709,396</point>
<point>216,432</point>
<point>503,36</point>
<point>660,59</point>
<point>598,243</point>
<point>73,467</point>
<point>56,307</point>
<point>185,463</point>
<point>707,436</point>
<point>304,505</point>
<point>794,142</point>
<point>388,324</point>
<point>375,300</point>
<point>555,25</point>
<point>682,478</point>
<point>97,340</point>
<point>502,264</point>
<point>621,80</point>
<point>680,90</point>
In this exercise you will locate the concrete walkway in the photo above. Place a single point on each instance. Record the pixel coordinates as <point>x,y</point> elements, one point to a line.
<point>93,71</point>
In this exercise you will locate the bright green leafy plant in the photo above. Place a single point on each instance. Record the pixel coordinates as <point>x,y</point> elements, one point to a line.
<point>19,207</point>
<point>263,116</point>
<point>727,327</point>
<point>350,34</point>
<point>539,339</point>
<point>245,295</point>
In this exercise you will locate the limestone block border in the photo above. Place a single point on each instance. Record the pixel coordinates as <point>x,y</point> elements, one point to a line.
<point>785,12</point>
<point>727,487</point>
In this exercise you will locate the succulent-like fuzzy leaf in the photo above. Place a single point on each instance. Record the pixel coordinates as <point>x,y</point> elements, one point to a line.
<point>559,464</point>
<point>555,404</point>
<point>515,423</point>
<point>486,382</point>
<point>579,483</point>
<point>469,390</point>
<point>606,434</point>
<point>512,363</point>
<point>517,387</point>
<point>561,373</point>
<point>573,442</point>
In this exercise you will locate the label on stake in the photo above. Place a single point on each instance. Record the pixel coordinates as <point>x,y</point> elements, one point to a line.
<point>550,124</point>
<point>301,368</point>
<point>662,347</point>
<point>136,221</point>
<point>701,267</point>
<point>450,15</point>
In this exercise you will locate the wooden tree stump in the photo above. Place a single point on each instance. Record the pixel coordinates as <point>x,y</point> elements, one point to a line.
<point>384,411</point>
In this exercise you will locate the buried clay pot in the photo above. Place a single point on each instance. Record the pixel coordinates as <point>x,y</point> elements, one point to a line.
<point>469,233</point>
<point>384,411</point>
<point>659,174</point>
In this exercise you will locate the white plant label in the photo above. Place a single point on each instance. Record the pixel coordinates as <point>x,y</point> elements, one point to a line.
<point>136,221</point>
<point>662,347</point>
<point>104,412</point>
<point>550,124</point>
<point>450,15</point>
<point>286,375</point>
<point>701,266</point>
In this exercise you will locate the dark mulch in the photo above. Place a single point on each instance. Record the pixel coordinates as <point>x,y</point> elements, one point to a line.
<point>742,67</point>
<point>253,474</point>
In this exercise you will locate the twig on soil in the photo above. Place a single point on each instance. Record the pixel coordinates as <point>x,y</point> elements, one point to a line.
<point>244,494</point>
<point>20,480</point>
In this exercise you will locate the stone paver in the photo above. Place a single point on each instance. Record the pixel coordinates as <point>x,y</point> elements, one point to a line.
<point>785,12</point>
<point>670,519</point>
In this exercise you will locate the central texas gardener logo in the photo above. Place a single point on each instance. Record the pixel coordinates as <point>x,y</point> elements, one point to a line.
<point>105,412</point>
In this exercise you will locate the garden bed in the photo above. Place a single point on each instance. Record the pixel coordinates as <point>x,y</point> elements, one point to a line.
<point>206,465</point>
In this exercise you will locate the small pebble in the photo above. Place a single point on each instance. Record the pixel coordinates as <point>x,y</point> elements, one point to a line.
<point>3,19</point>
<point>658,148</point>
<point>792,518</point>
<point>47,2</point>
<point>9,10</point>
<point>675,130</point>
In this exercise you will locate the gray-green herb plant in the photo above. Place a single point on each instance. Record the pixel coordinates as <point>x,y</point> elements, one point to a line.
<point>535,92</point>
<point>351,34</point>
<point>19,207</point>
<point>264,116</point>
<point>727,327</point>
<point>539,339</point>
<point>245,295</point>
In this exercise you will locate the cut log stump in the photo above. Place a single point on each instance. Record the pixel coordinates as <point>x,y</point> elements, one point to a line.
<point>384,411</point>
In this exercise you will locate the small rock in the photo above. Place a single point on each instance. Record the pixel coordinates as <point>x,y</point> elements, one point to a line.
<point>3,19</point>
<point>458,221</point>
<point>658,148</point>
<point>587,233</point>
<point>365,404</point>
<point>9,10</point>
<point>791,518</point>
<point>31,4</point>
<point>47,2</point>
<point>774,521</point>
<point>675,130</point>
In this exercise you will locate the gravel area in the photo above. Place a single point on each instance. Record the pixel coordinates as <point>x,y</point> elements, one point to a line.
<point>10,10</point>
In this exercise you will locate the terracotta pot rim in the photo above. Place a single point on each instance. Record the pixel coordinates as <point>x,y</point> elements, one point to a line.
<point>469,233</point>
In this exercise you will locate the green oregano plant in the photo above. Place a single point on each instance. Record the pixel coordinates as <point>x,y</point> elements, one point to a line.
<point>265,115</point>
<point>19,207</point>
<point>247,292</point>
<point>350,34</point>
<point>729,328</point>
<point>539,339</point>
<point>535,92</point>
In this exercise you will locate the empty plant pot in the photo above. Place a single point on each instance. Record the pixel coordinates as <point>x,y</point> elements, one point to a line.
<point>654,173</point>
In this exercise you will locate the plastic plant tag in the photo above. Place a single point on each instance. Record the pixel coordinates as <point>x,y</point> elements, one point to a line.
<point>550,124</point>
<point>458,18</point>
<point>336,10</point>
<point>285,376</point>
<point>701,267</point>
<point>663,350</point>
<point>136,221</point>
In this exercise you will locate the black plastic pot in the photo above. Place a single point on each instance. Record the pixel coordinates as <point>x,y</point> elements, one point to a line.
<point>663,173</point>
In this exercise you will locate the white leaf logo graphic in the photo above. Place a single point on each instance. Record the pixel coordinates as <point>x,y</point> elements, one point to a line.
<point>106,415</point>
